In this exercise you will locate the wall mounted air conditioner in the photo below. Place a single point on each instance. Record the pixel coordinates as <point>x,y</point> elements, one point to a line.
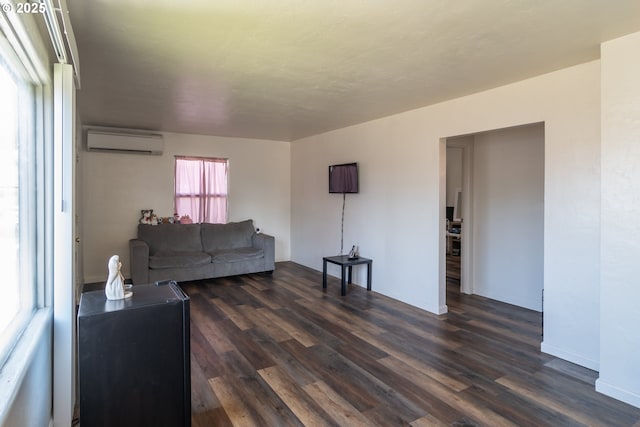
<point>124,142</point>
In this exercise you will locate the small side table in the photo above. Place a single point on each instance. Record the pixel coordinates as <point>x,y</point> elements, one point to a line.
<point>346,264</point>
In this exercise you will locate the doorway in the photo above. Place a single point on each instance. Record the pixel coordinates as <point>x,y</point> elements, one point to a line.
<point>458,192</point>
<point>501,217</point>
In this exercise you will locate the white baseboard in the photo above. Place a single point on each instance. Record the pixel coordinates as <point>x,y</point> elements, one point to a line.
<point>602,386</point>
<point>444,309</point>
<point>571,357</point>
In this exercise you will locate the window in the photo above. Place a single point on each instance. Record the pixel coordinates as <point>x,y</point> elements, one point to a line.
<point>201,189</point>
<point>18,201</point>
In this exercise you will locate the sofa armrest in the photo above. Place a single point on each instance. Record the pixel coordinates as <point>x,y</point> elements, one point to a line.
<point>139,259</point>
<point>268,244</point>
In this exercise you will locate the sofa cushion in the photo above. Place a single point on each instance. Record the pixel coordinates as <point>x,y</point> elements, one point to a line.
<point>171,237</point>
<point>227,236</point>
<point>172,259</point>
<point>236,255</point>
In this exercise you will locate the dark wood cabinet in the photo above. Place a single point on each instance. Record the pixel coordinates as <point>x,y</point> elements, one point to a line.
<point>134,358</point>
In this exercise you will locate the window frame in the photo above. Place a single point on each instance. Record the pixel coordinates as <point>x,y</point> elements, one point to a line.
<point>28,57</point>
<point>204,196</point>
<point>29,269</point>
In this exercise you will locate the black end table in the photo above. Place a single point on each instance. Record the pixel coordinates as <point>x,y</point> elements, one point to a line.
<point>346,264</point>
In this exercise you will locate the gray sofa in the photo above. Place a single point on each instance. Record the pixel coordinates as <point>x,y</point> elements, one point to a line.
<point>183,252</point>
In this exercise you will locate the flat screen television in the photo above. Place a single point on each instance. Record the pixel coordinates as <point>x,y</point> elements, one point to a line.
<point>343,178</point>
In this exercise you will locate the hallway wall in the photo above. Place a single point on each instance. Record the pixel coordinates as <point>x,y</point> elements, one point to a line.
<point>508,215</point>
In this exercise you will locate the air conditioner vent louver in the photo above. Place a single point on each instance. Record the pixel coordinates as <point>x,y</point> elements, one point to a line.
<point>124,142</point>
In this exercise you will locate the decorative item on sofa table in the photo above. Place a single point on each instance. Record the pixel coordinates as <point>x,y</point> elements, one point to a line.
<point>165,220</point>
<point>115,287</point>
<point>148,217</point>
<point>186,219</point>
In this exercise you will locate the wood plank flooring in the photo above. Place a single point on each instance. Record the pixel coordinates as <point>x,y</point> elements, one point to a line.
<point>453,267</point>
<point>279,351</point>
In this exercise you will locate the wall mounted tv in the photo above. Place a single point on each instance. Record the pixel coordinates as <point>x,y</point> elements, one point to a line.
<point>343,178</point>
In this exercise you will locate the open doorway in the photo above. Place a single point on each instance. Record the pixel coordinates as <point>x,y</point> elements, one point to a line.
<point>501,218</point>
<point>458,183</point>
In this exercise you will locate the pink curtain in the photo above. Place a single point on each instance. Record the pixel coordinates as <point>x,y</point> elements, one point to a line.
<point>201,189</point>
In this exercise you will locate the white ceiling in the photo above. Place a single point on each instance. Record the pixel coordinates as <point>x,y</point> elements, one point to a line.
<point>286,69</point>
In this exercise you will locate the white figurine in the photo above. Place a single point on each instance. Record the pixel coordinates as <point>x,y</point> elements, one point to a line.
<point>115,282</point>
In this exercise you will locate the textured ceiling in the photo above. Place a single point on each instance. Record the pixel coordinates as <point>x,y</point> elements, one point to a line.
<point>286,69</point>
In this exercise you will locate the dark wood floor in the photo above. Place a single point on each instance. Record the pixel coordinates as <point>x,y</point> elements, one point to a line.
<point>453,267</point>
<point>278,351</point>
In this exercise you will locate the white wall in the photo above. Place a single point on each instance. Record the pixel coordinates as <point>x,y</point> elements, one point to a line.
<point>398,217</point>
<point>386,218</point>
<point>117,186</point>
<point>620,262</point>
<point>508,215</point>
